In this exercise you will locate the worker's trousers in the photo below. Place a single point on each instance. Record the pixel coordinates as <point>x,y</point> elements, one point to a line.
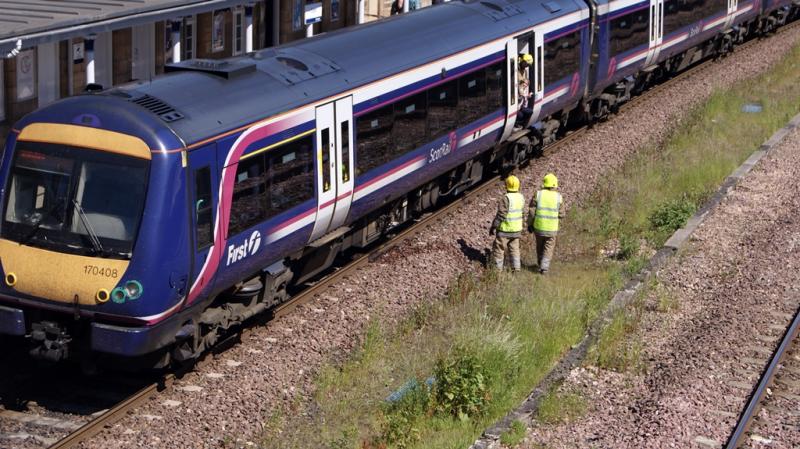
<point>545,246</point>
<point>499,251</point>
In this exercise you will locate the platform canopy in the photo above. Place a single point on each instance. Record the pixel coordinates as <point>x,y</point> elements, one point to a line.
<point>27,23</point>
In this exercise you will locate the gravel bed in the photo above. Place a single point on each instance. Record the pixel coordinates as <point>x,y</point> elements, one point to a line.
<point>735,286</point>
<point>275,365</point>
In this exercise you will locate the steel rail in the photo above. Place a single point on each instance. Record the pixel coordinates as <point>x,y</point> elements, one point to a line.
<point>117,412</point>
<point>767,376</point>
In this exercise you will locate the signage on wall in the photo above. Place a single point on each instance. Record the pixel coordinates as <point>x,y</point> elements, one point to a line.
<point>313,13</point>
<point>26,67</point>
<point>77,52</point>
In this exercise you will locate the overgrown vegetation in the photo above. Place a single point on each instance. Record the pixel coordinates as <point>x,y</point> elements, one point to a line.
<point>455,366</point>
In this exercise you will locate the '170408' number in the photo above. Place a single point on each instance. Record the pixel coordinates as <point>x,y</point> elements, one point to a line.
<point>100,271</point>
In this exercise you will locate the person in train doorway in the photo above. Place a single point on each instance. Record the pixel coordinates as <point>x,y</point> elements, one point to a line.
<point>507,225</point>
<point>544,212</point>
<point>524,62</point>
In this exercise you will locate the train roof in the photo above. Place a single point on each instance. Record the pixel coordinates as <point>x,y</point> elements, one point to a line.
<point>204,98</point>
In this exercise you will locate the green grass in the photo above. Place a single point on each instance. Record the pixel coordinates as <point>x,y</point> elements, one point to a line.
<point>515,434</point>
<point>495,337</point>
<point>560,407</point>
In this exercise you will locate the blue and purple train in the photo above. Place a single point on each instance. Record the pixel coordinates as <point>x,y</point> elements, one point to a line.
<point>144,220</point>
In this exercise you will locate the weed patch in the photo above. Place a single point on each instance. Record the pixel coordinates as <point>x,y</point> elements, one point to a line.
<point>559,407</point>
<point>515,434</point>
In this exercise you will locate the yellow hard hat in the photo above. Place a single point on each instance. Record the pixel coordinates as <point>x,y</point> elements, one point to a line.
<point>512,184</point>
<point>550,181</point>
<point>527,58</point>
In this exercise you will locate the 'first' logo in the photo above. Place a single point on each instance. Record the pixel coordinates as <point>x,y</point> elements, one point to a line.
<point>248,248</point>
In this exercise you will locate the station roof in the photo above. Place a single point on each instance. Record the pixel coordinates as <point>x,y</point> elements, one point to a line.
<point>32,22</point>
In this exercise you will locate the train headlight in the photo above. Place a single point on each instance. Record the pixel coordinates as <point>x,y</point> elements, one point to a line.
<point>118,295</point>
<point>11,279</point>
<point>133,289</point>
<point>102,296</point>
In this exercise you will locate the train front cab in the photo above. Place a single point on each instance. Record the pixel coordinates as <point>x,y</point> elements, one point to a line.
<point>85,262</point>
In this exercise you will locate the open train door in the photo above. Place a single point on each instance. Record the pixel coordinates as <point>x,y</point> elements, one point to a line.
<point>512,102</point>
<point>537,77</point>
<point>656,31</point>
<point>334,134</point>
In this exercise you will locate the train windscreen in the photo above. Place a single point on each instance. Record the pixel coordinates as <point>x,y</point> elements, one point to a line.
<point>74,200</point>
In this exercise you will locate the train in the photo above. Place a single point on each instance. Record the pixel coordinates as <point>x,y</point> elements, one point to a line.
<point>143,222</point>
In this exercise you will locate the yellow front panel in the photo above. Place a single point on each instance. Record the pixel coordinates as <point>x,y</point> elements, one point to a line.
<point>57,276</point>
<point>85,137</point>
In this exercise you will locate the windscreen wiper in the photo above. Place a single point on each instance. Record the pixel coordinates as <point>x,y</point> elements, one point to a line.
<point>98,247</point>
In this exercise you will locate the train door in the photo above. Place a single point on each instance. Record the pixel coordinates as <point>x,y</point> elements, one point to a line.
<point>344,161</point>
<point>203,184</point>
<point>733,5</point>
<point>537,81</point>
<point>334,136</point>
<point>512,102</point>
<point>656,30</point>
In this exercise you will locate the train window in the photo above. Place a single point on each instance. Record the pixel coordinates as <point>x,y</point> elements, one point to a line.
<point>345,133</point>
<point>374,138</point>
<point>562,57</point>
<point>249,194</point>
<point>629,31</point>
<point>494,87</point>
<point>290,176</point>
<point>325,165</point>
<point>471,97</point>
<point>410,123</point>
<point>442,111</point>
<point>203,207</point>
<point>514,90</point>
<point>709,8</point>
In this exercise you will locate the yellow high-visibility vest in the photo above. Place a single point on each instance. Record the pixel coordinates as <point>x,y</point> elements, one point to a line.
<point>513,221</point>
<point>548,202</point>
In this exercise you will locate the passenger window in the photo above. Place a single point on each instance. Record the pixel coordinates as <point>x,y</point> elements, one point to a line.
<point>249,194</point>
<point>471,97</point>
<point>629,31</point>
<point>291,176</point>
<point>203,207</point>
<point>410,122</point>
<point>562,57</point>
<point>374,137</point>
<point>325,148</point>
<point>345,133</point>
<point>442,109</point>
<point>494,87</point>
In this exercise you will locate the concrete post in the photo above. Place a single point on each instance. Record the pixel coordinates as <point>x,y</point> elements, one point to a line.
<point>405,6</point>
<point>361,5</point>
<point>88,47</point>
<point>176,40</point>
<point>248,30</point>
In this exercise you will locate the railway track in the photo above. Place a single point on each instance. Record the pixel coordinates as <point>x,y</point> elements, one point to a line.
<point>772,413</point>
<point>30,417</point>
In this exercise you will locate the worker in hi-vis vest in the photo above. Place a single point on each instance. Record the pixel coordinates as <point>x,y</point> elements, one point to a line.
<point>545,209</point>
<point>508,224</point>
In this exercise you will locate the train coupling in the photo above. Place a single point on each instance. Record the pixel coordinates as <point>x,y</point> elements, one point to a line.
<point>50,341</point>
